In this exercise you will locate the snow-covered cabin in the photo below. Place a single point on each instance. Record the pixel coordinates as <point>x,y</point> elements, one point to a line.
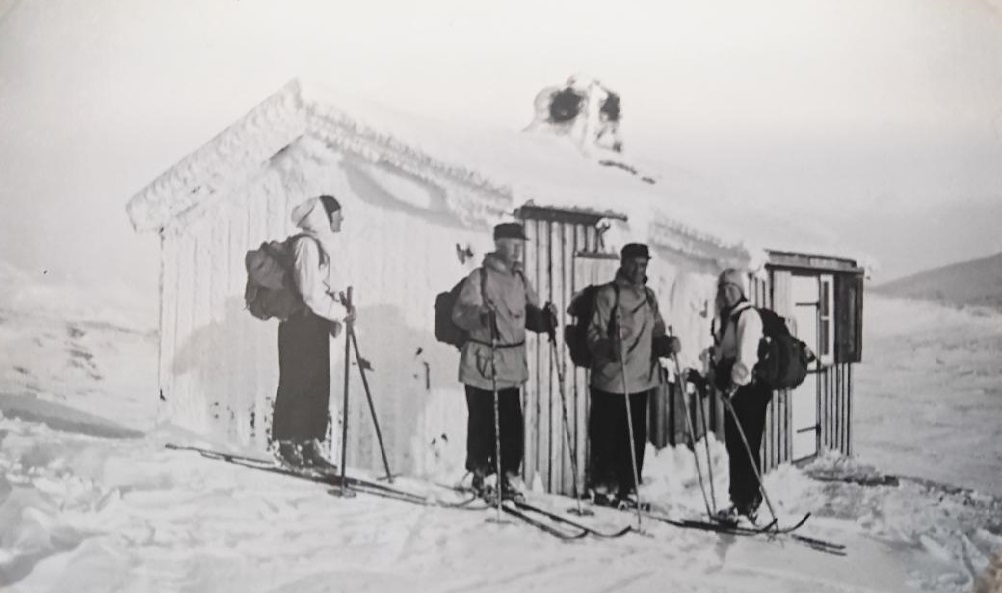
<point>420,198</point>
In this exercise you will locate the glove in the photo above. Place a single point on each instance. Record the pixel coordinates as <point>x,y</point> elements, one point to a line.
<point>335,329</point>
<point>666,346</point>
<point>550,320</point>
<point>610,347</point>
<point>698,381</point>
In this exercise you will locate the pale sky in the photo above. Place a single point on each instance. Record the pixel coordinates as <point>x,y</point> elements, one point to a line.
<point>881,117</point>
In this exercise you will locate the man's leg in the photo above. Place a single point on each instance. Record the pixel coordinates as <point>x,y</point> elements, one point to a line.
<point>737,458</point>
<point>752,414</point>
<point>512,429</point>
<point>601,435</point>
<point>750,404</point>
<point>479,430</point>
<point>638,413</point>
<point>303,396</point>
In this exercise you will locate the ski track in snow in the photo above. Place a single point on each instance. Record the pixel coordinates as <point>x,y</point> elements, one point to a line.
<point>91,501</point>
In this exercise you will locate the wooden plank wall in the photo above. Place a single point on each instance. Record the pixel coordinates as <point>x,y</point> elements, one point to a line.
<point>777,444</point>
<point>217,363</point>
<point>556,274</point>
<point>835,416</point>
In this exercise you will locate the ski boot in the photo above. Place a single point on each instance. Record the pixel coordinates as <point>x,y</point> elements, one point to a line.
<point>601,496</point>
<point>289,454</point>
<point>510,489</point>
<point>629,501</point>
<point>750,511</point>
<point>314,458</point>
<point>736,515</point>
<point>488,489</point>
<point>729,516</point>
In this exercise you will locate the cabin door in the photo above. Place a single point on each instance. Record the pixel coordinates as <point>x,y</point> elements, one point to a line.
<point>564,254</point>
<point>804,400</point>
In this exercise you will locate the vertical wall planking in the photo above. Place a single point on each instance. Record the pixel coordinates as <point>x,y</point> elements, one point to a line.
<point>261,354</point>
<point>238,318</point>
<point>200,340</point>
<point>556,429</point>
<point>561,302</point>
<point>530,393</point>
<point>544,369</point>
<point>849,409</point>
<point>581,399</point>
<point>168,323</point>
<point>219,354</point>
<point>190,409</point>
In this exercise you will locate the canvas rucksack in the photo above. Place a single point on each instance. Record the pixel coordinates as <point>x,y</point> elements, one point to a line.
<point>783,359</point>
<point>271,291</point>
<point>446,330</point>
<point>582,308</point>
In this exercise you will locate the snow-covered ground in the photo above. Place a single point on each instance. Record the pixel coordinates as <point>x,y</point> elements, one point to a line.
<point>90,500</point>
<point>929,392</point>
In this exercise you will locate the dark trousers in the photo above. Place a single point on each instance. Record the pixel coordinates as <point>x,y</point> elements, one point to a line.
<point>611,463</point>
<point>750,403</point>
<point>304,378</point>
<point>480,430</point>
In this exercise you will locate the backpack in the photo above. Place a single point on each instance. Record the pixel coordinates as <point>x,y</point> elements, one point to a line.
<point>782,358</point>
<point>271,290</point>
<point>582,308</point>
<point>446,330</point>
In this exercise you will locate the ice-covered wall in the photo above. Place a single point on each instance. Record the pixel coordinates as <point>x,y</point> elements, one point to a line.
<point>398,249</point>
<point>420,198</point>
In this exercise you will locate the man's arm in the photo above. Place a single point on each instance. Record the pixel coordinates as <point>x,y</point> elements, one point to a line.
<point>469,309</point>
<point>749,333</point>
<point>312,285</point>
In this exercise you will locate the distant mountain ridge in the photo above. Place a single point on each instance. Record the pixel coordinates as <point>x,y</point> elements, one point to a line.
<point>976,282</point>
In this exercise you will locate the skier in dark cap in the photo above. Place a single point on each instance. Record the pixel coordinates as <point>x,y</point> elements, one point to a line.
<point>626,336</point>
<point>496,306</point>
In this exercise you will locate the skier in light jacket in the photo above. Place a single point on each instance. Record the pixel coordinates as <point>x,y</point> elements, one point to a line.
<point>738,330</point>
<point>626,336</point>
<point>301,405</point>
<point>496,304</point>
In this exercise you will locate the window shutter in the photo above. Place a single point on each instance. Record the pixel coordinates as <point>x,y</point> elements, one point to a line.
<point>848,318</point>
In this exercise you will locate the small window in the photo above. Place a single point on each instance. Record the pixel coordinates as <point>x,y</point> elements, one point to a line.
<point>848,305</point>
<point>826,326</point>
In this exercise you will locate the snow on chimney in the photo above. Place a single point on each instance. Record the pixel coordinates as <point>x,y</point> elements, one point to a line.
<point>583,110</point>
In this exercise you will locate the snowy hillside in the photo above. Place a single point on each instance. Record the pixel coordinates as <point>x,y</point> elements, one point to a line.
<point>66,350</point>
<point>90,500</point>
<point>974,283</point>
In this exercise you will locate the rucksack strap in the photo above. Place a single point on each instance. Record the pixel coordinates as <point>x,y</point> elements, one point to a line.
<point>324,257</point>
<point>648,293</point>
<point>734,315</point>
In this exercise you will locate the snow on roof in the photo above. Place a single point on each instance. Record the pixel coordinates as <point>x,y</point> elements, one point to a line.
<point>497,171</point>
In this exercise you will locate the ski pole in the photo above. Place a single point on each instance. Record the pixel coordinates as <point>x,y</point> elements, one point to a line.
<point>346,300</point>
<point>372,407</point>
<point>706,442</point>
<point>567,425</point>
<point>497,409</point>
<point>751,456</point>
<point>691,431</point>
<point>629,416</point>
